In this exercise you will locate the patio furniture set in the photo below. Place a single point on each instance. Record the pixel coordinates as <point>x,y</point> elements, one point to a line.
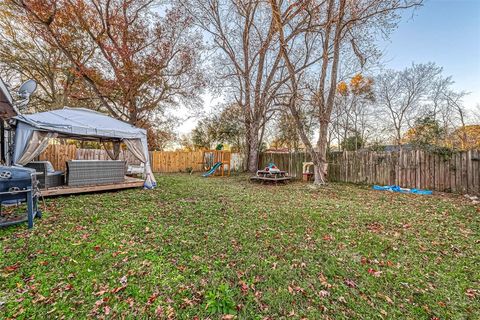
<point>80,173</point>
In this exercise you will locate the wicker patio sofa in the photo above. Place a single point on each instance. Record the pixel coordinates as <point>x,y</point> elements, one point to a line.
<point>49,178</point>
<point>95,172</point>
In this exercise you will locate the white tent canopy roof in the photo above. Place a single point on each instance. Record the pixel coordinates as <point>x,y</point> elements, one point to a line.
<point>82,122</point>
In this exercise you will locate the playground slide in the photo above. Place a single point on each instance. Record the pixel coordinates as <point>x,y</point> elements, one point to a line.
<point>212,170</point>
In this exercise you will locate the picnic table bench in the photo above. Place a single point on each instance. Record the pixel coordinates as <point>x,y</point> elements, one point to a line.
<point>271,176</point>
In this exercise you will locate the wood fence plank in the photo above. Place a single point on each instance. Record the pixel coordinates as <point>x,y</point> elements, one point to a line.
<point>453,173</point>
<point>476,171</point>
<point>464,172</point>
<point>470,188</point>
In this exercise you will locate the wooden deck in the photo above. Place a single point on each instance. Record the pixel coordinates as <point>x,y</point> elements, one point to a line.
<point>65,190</point>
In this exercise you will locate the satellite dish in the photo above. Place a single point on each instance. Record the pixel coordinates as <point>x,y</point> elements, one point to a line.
<point>27,88</point>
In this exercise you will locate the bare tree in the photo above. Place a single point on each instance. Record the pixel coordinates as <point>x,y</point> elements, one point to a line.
<point>476,113</point>
<point>456,108</point>
<point>341,25</point>
<point>351,114</point>
<point>402,95</point>
<point>247,63</point>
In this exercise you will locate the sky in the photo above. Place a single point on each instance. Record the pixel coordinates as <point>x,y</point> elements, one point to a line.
<point>446,32</point>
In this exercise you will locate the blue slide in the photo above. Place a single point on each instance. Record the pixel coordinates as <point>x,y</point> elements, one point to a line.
<point>212,170</point>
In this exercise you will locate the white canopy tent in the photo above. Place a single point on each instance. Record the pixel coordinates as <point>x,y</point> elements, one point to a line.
<point>34,131</point>
<point>6,111</point>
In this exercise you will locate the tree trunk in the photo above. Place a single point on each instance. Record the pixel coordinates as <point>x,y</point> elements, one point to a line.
<point>320,160</point>
<point>252,146</point>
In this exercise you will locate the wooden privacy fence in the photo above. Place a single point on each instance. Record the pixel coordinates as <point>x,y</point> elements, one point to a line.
<point>59,154</point>
<point>183,161</point>
<point>290,162</point>
<point>161,161</point>
<point>100,154</point>
<point>459,172</point>
<point>166,161</point>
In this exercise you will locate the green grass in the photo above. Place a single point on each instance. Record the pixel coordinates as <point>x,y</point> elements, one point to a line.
<point>198,247</point>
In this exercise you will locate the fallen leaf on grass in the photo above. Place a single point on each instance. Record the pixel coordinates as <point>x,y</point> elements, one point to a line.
<point>153,297</point>
<point>327,237</point>
<point>324,281</point>
<point>12,267</point>
<point>323,293</point>
<point>101,292</point>
<point>243,286</point>
<point>374,272</point>
<point>387,298</point>
<point>472,293</point>
<point>350,283</point>
<point>187,303</point>
<point>39,299</point>
<point>106,310</point>
<point>375,227</point>
<point>99,302</point>
<point>118,289</point>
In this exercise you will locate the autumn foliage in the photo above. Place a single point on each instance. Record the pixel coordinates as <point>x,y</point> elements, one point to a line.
<point>135,61</point>
<point>358,85</point>
<point>466,138</point>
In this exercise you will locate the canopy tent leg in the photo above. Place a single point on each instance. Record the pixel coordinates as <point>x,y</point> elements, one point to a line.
<point>3,156</point>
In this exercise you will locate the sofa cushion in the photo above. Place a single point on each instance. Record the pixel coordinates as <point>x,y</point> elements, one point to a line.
<point>55,173</point>
<point>49,166</point>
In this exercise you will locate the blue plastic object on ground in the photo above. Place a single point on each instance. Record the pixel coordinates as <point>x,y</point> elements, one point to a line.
<point>402,190</point>
<point>212,170</point>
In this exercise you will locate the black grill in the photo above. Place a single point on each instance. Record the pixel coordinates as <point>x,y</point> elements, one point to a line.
<point>18,184</point>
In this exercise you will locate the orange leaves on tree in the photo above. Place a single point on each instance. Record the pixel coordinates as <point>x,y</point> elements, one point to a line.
<point>342,88</point>
<point>359,85</point>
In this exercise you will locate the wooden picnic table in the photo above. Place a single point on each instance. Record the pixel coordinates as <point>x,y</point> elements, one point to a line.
<point>273,176</point>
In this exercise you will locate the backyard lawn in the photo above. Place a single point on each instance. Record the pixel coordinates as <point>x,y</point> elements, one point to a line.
<point>205,248</point>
